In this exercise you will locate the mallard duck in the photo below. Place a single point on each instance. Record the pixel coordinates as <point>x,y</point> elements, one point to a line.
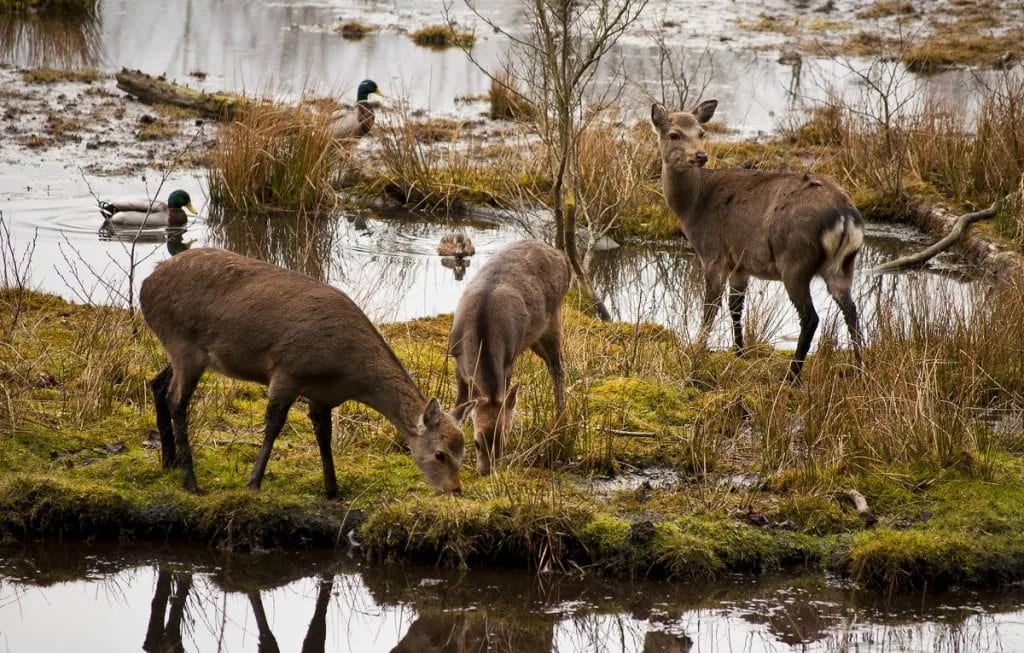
<point>456,245</point>
<point>357,122</point>
<point>149,213</point>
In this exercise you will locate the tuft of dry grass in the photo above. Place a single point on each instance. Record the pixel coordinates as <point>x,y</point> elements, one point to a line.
<point>506,100</point>
<point>887,8</point>
<point>423,173</point>
<point>275,156</point>
<point>353,30</point>
<point>53,75</point>
<point>441,37</point>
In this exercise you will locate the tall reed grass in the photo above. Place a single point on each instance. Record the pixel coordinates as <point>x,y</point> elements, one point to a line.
<point>275,157</point>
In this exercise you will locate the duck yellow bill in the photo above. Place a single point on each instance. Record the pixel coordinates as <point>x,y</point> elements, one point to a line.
<point>379,93</point>
<point>191,208</point>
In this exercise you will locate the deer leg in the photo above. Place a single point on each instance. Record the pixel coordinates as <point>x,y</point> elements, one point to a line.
<point>737,294</point>
<point>320,416</point>
<point>840,291</point>
<point>799,291</point>
<point>714,287</point>
<point>159,385</point>
<point>183,384</point>
<point>550,351</point>
<point>281,396</point>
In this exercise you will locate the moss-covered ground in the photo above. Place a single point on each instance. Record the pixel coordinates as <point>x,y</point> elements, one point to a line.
<point>758,471</point>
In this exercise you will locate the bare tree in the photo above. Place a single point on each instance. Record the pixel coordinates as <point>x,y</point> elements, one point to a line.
<point>555,63</point>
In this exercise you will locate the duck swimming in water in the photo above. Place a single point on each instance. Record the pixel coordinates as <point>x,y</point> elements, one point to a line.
<point>136,212</point>
<point>456,245</point>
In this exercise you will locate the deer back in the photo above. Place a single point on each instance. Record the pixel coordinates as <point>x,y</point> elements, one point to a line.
<point>514,300</point>
<point>251,320</point>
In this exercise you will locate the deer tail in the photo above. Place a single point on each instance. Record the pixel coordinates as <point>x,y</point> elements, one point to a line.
<point>842,237</point>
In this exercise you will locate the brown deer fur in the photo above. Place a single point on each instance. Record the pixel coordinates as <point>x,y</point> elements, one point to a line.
<point>258,322</point>
<point>513,304</point>
<point>770,225</point>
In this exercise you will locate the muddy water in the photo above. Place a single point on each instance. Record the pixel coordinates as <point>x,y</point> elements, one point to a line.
<point>116,599</point>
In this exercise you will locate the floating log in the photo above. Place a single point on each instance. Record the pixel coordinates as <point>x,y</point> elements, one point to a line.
<point>951,238</point>
<point>150,89</point>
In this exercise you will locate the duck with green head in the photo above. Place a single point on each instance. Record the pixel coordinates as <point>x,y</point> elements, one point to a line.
<point>143,212</point>
<point>356,123</point>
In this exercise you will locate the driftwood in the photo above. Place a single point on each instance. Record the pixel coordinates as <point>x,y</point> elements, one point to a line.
<point>149,89</point>
<point>952,237</point>
<point>861,505</point>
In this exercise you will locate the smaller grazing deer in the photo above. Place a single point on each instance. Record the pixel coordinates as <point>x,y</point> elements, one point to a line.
<point>513,304</point>
<point>258,322</point>
<point>770,225</point>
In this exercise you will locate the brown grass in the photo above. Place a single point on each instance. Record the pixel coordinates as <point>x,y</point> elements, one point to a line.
<point>441,37</point>
<point>275,156</point>
<point>353,30</point>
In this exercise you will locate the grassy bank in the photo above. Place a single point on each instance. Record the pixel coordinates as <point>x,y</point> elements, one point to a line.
<point>759,470</point>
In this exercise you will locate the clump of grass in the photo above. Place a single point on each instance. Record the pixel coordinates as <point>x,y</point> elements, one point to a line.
<point>441,37</point>
<point>437,130</point>
<point>353,30</point>
<point>887,8</point>
<point>275,156</point>
<point>506,101</point>
<point>443,176</point>
<point>53,75</point>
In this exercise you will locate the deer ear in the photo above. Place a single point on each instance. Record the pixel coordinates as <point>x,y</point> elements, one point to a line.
<point>659,116</point>
<point>432,413</point>
<point>705,110</point>
<point>510,397</point>
<point>461,412</point>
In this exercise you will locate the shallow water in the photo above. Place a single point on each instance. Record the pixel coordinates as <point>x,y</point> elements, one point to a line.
<point>172,598</point>
<point>387,262</point>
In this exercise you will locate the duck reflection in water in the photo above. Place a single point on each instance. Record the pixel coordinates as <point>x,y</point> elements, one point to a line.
<point>173,236</point>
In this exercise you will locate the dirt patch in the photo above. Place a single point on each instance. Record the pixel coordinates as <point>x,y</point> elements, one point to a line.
<point>86,122</point>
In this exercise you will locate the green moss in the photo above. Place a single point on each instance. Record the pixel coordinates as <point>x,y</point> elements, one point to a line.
<point>902,560</point>
<point>73,473</point>
<point>605,537</point>
<point>642,405</point>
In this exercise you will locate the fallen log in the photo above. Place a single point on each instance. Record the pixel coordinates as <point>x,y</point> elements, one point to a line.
<point>942,245</point>
<point>149,89</point>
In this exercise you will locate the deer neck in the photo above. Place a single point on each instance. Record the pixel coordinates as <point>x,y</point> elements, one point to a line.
<point>684,189</point>
<point>396,397</point>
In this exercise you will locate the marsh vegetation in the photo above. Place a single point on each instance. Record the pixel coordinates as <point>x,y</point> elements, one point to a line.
<point>930,432</point>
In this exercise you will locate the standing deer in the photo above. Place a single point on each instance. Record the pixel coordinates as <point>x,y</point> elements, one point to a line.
<point>258,322</point>
<point>770,225</point>
<point>513,304</point>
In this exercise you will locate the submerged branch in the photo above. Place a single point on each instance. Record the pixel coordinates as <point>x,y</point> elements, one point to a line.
<point>951,238</point>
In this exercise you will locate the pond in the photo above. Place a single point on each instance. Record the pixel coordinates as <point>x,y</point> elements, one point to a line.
<point>173,598</point>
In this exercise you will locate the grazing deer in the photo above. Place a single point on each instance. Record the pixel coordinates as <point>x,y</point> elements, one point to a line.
<point>258,322</point>
<point>770,225</point>
<point>513,304</point>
